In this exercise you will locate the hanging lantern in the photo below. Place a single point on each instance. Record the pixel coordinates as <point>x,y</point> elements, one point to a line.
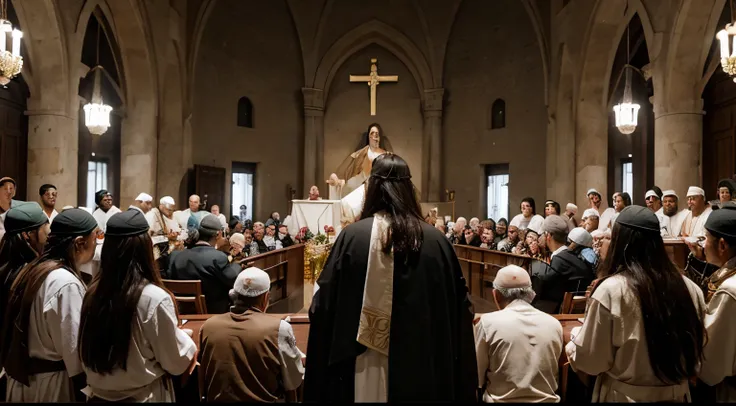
<point>626,112</point>
<point>11,63</point>
<point>97,113</point>
<point>727,38</point>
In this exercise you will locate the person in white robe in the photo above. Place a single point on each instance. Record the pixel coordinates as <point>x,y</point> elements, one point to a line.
<point>142,203</point>
<point>528,210</point>
<point>39,345</point>
<point>719,363</point>
<point>105,208</point>
<point>151,345</point>
<point>693,224</point>
<point>637,358</point>
<point>215,211</point>
<point>182,216</point>
<point>672,219</point>
<point>48,194</point>
<point>517,347</point>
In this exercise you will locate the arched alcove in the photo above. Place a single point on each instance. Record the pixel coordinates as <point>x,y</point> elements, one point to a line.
<point>498,114</point>
<point>245,112</point>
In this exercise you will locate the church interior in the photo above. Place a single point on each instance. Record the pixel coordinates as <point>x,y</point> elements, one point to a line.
<point>254,107</point>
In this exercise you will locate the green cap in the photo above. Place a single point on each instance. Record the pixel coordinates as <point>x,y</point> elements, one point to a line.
<point>26,216</point>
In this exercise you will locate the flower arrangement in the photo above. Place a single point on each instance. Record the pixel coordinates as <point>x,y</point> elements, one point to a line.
<point>304,235</point>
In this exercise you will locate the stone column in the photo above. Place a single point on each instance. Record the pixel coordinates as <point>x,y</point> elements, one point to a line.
<point>432,145</point>
<point>314,113</point>
<point>52,154</point>
<point>677,150</point>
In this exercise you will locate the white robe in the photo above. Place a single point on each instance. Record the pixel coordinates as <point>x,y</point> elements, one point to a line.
<point>157,347</point>
<point>523,222</point>
<point>102,216</point>
<point>605,218</point>
<point>612,345</point>
<point>695,227</point>
<point>720,351</point>
<point>518,350</point>
<point>52,216</point>
<point>53,331</point>
<point>672,225</point>
<point>155,225</point>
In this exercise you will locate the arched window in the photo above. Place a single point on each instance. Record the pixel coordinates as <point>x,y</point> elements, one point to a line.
<point>245,113</point>
<point>498,114</point>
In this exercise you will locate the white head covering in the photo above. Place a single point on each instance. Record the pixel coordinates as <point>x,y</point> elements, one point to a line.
<point>252,282</point>
<point>461,219</point>
<point>669,192</point>
<point>581,236</point>
<point>237,238</point>
<point>590,213</point>
<point>695,191</point>
<point>650,193</point>
<point>597,234</point>
<point>536,224</point>
<point>591,190</point>
<point>573,208</point>
<point>167,201</point>
<point>512,277</point>
<point>515,222</point>
<point>144,197</point>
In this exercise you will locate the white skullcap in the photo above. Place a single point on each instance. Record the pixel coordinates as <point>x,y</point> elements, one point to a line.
<point>167,201</point>
<point>590,213</point>
<point>144,197</point>
<point>252,282</point>
<point>237,238</point>
<point>573,208</point>
<point>650,193</point>
<point>592,191</point>
<point>475,220</point>
<point>511,277</point>
<point>515,222</point>
<point>536,224</point>
<point>695,191</point>
<point>581,236</point>
<point>459,219</point>
<point>597,234</point>
<point>669,192</point>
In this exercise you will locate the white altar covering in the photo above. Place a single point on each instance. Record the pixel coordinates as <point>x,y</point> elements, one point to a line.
<point>315,214</point>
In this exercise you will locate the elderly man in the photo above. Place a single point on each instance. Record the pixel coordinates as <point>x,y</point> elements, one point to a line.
<point>142,203</point>
<point>182,217</point>
<point>215,211</point>
<point>671,220</point>
<point>570,211</point>
<point>246,354</point>
<point>314,193</point>
<point>161,220</point>
<point>458,229</point>
<point>693,224</point>
<point>517,347</point>
<point>717,367</point>
<point>48,195</point>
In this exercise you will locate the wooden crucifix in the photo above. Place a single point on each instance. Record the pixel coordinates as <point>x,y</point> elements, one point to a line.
<point>374,80</point>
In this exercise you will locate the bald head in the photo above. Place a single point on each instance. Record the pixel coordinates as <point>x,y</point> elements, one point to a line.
<point>512,283</point>
<point>194,203</point>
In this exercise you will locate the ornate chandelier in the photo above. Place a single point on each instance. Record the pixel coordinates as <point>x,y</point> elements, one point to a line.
<point>627,112</point>
<point>97,113</point>
<point>726,37</point>
<point>11,63</point>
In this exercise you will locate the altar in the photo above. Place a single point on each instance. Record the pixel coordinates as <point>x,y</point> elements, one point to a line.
<point>316,214</point>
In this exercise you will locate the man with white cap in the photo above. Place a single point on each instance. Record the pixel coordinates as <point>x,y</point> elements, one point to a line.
<point>247,355</point>
<point>671,219</point>
<point>163,229</point>
<point>570,211</point>
<point>591,220</point>
<point>693,224</point>
<point>512,237</point>
<point>653,201</point>
<point>142,203</point>
<point>517,347</point>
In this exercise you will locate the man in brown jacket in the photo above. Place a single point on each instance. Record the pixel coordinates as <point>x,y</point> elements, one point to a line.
<point>247,355</point>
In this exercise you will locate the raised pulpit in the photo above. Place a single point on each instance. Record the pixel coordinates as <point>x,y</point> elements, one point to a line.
<point>316,214</point>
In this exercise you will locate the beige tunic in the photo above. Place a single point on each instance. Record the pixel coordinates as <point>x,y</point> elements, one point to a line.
<point>157,347</point>
<point>695,226</point>
<point>518,350</point>
<point>612,345</point>
<point>52,335</point>
<point>720,349</point>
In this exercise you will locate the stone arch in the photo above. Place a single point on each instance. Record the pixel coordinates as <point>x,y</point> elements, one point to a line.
<point>605,28</point>
<point>139,126</point>
<point>536,20</point>
<point>203,15</point>
<point>373,32</point>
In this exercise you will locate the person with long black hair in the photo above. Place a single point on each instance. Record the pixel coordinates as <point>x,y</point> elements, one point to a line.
<point>643,334</point>
<point>129,335</point>
<point>392,319</point>
<point>38,345</point>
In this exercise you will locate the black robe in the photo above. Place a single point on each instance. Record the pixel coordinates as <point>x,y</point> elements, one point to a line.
<point>431,352</point>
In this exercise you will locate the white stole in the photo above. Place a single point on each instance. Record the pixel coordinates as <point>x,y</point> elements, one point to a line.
<point>371,367</point>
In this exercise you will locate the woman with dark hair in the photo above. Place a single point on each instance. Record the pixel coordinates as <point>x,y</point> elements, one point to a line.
<point>501,230</point>
<point>129,335</point>
<point>551,207</point>
<point>382,272</point>
<point>38,347</point>
<point>356,168</point>
<point>643,334</point>
<point>528,212</point>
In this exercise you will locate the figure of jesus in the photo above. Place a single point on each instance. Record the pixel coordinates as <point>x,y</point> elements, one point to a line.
<point>357,167</point>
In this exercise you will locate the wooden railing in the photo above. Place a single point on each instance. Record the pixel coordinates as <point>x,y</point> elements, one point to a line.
<point>678,252</point>
<point>480,266</point>
<point>285,267</point>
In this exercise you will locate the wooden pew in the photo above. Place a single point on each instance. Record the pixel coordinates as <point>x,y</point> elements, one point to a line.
<point>286,269</point>
<point>480,265</point>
